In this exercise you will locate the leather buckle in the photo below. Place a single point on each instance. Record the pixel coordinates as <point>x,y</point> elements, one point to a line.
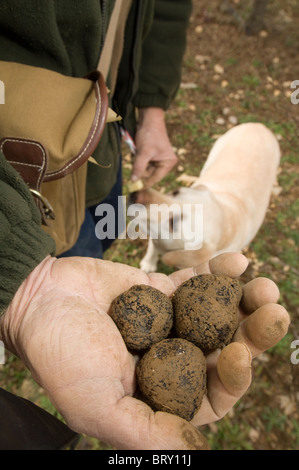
<point>47,208</point>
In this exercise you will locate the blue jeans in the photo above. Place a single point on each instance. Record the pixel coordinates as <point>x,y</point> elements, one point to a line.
<point>90,245</point>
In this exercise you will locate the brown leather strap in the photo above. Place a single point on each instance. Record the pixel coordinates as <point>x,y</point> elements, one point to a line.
<point>30,159</point>
<point>95,132</point>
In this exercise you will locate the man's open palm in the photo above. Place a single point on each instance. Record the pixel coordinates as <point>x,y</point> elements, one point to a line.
<point>59,324</point>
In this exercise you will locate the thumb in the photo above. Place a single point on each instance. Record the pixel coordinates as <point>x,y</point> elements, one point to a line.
<point>140,428</point>
<point>227,383</point>
<point>139,168</point>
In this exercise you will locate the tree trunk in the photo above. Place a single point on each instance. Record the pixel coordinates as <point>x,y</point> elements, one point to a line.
<point>255,22</point>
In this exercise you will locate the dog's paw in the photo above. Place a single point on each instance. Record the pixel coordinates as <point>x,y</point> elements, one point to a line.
<point>148,266</point>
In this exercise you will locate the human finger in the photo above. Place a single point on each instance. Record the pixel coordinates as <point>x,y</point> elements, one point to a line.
<point>229,264</point>
<point>258,292</point>
<point>139,167</point>
<point>158,170</point>
<point>226,383</point>
<point>263,328</point>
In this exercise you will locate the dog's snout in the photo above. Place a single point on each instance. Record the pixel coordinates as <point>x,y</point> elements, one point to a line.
<point>140,197</point>
<point>133,197</point>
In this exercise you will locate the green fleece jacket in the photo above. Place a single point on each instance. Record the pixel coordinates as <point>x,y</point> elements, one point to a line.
<point>67,37</point>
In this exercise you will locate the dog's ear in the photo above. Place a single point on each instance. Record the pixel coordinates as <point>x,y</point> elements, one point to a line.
<point>187,258</point>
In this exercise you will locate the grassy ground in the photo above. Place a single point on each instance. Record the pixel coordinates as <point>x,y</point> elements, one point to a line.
<point>228,78</point>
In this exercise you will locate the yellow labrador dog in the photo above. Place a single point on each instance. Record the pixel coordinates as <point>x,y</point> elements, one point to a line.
<point>223,209</point>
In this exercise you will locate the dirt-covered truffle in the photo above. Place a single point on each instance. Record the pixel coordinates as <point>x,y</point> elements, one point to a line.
<point>206,310</point>
<point>172,377</point>
<point>143,315</point>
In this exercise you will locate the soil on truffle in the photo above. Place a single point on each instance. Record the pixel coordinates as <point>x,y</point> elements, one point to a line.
<point>143,315</point>
<point>172,377</point>
<point>206,310</point>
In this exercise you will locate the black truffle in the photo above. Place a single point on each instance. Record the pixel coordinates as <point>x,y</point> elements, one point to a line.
<point>143,315</point>
<point>172,377</point>
<point>206,310</point>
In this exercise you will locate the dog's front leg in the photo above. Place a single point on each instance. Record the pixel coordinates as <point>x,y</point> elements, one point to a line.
<point>149,262</point>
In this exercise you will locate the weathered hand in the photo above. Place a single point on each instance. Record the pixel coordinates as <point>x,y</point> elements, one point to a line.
<point>58,323</point>
<point>155,157</point>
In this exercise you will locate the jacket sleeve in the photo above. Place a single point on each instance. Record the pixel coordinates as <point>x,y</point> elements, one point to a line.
<point>23,243</point>
<point>162,54</point>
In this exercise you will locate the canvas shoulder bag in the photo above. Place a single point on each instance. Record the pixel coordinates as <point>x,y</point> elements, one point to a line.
<point>50,125</point>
